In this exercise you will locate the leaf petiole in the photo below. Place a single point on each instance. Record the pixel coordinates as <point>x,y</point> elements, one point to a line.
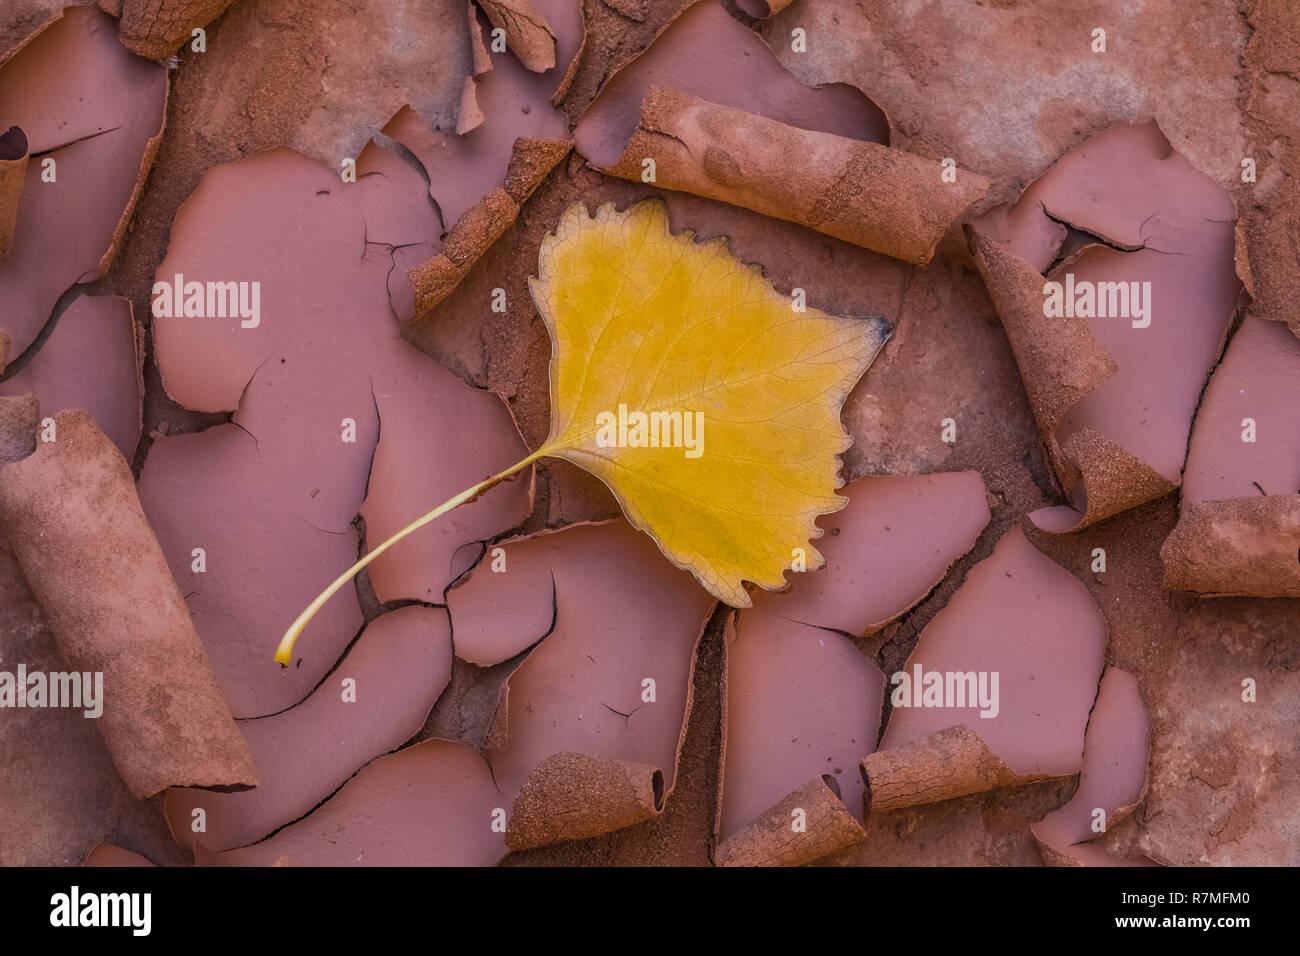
<point>284,653</point>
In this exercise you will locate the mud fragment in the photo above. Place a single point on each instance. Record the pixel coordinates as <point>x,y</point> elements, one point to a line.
<point>432,804</point>
<point>1238,530</point>
<point>886,550</point>
<point>481,175</point>
<point>609,686</point>
<point>411,471</point>
<point>703,52</point>
<point>1114,390</point>
<point>803,703</point>
<point>1019,616</point>
<point>93,116</point>
<point>250,521</point>
<point>1259,380</point>
<point>90,361</point>
<point>947,763</point>
<point>1242,546</point>
<point>1112,778</point>
<point>76,528</point>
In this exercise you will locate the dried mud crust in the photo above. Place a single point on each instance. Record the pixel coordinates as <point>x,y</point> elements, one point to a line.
<point>1223,792</point>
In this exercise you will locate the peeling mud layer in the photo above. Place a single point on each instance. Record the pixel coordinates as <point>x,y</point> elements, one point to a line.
<point>267,295</point>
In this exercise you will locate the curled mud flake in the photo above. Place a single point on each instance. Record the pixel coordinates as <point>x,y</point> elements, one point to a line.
<point>1238,530</point>
<point>945,764</point>
<point>1238,547</point>
<point>802,699</point>
<point>106,854</point>
<point>433,804</point>
<point>1066,359</point>
<point>158,28</point>
<point>311,368</point>
<point>1115,342</point>
<point>610,685</point>
<point>1111,481</point>
<point>864,193</point>
<point>464,169</point>
<point>95,567</point>
<point>1022,642</point>
<point>626,794</point>
<point>484,222</point>
<point>91,361</point>
<point>13,173</point>
<point>61,793</point>
<point>772,840</point>
<point>527,33</point>
<point>1112,778</point>
<point>375,700</point>
<point>708,110</point>
<point>93,117</point>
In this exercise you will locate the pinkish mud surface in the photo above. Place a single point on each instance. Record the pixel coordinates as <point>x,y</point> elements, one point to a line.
<point>510,698</point>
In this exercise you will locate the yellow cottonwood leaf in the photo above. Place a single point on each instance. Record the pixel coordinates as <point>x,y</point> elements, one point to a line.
<point>694,390</point>
<point>736,454</point>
